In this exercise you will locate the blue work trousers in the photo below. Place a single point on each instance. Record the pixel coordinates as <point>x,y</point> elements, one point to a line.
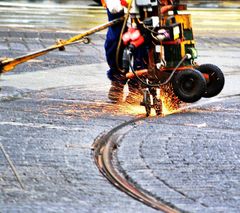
<point>111,43</point>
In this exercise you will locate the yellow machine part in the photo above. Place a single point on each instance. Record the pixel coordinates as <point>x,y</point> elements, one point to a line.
<point>185,20</point>
<point>183,44</point>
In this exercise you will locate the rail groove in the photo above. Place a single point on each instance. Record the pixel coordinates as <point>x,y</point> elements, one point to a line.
<point>104,147</point>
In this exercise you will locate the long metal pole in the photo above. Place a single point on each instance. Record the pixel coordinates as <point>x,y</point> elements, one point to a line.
<point>8,64</point>
<point>11,165</point>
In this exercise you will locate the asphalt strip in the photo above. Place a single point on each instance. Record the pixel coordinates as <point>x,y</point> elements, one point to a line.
<point>91,77</point>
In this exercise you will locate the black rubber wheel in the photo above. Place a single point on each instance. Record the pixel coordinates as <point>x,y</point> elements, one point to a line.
<point>216,80</point>
<point>189,85</point>
<point>147,102</point>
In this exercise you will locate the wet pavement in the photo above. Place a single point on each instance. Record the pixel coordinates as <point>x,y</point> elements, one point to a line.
<point>53,108</point>
<point>76,16</point>
<point>49,15</point>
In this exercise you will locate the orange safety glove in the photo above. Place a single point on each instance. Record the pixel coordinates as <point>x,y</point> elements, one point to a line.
<point>103,3</point>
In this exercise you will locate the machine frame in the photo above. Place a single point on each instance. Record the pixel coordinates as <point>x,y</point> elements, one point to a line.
<point>165,28</point>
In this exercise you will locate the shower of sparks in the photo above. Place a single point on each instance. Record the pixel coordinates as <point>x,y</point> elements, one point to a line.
<point>130,107</point>
<point>170,102</point>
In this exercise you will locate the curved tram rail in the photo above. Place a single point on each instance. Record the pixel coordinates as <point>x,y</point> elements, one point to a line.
<point>104,147</point>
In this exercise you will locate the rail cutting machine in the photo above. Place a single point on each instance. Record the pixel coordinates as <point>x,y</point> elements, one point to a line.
<point>165,29</point>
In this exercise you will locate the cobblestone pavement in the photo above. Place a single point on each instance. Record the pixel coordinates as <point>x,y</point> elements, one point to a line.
<point>47,127</point>
<point>189,159</point>
<point>48,135</point>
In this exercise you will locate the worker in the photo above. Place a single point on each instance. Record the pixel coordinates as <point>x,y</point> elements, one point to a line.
<point>118,79</point>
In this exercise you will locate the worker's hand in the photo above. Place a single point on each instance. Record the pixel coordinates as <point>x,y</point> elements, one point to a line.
<point>114,6</point>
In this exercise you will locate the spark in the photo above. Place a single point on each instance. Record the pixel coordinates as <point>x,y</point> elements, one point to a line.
<point>170,102</point>
<point>130,107</point>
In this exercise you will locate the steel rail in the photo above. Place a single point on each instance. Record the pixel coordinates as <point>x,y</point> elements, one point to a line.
<point>104,147</point>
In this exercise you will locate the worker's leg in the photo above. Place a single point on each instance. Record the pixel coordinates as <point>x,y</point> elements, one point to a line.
<point>112,38</point>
